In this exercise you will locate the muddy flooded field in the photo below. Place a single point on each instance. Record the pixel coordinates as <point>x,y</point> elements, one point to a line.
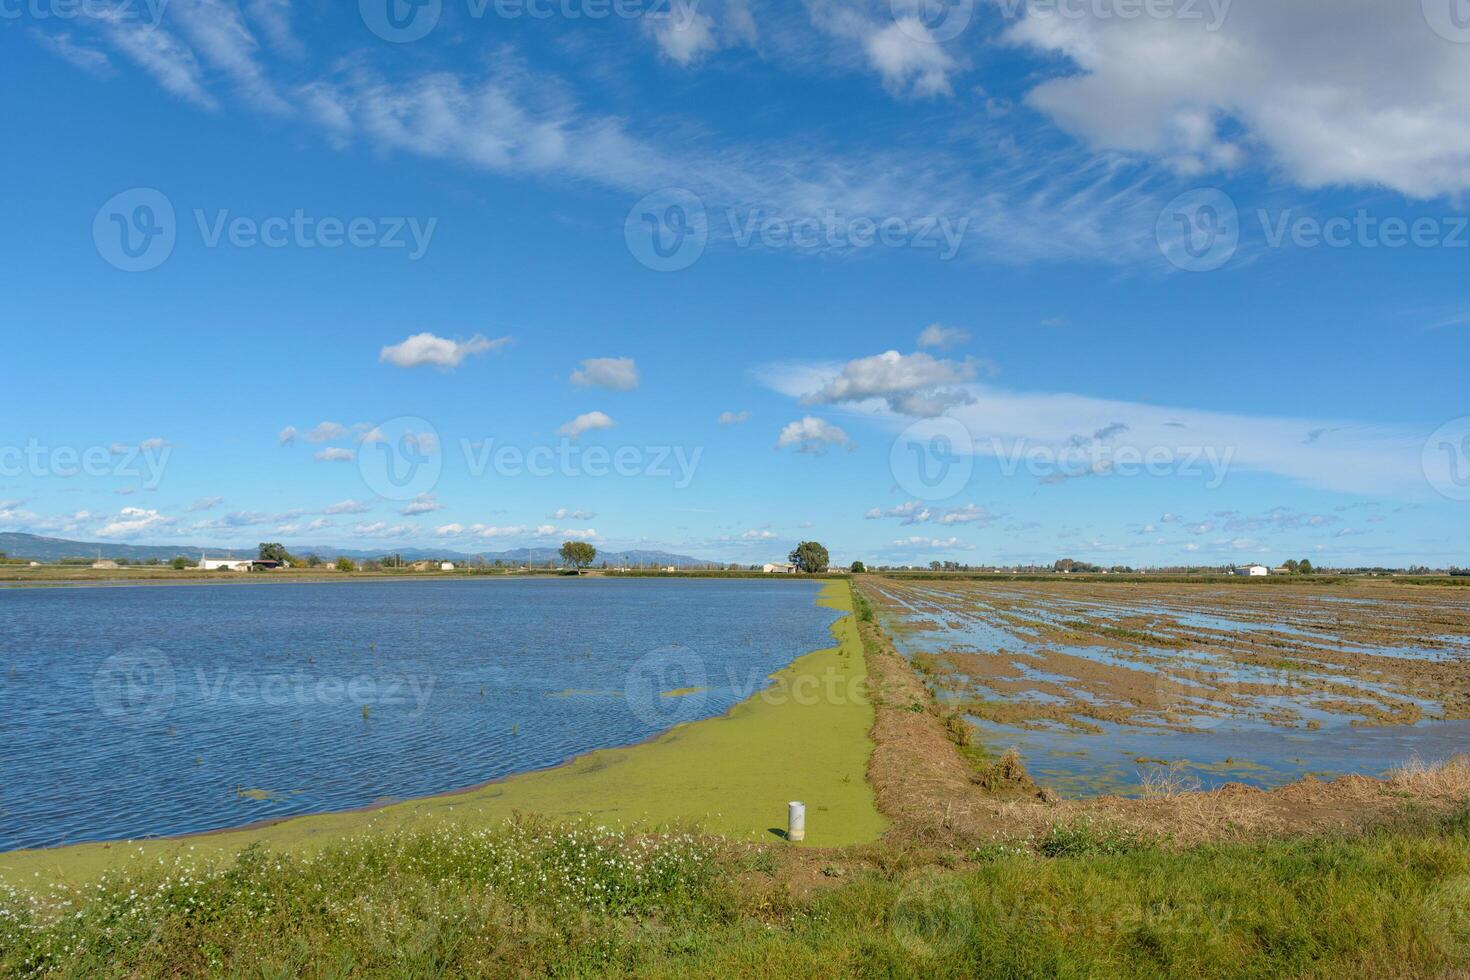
<point>1106,687</point>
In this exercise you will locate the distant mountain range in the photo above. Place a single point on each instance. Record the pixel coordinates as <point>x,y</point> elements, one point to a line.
<point>38,548</point>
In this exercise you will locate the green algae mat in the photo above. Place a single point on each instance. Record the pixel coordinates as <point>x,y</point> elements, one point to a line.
<point>806,737</point>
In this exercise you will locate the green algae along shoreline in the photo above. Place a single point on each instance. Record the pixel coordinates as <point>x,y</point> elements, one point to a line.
<point>805,737</point>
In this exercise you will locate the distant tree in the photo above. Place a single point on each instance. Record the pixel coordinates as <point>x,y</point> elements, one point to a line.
<point>346,565</point>
<point>312,561</point>
<point>1305,568</point>
<point>577,554</point>
<point>810,557</point>
<point>858,567</point>
<point>274,551</point>
<point>180,563</point>
<point>1291,565</point>
<point>391,561</point>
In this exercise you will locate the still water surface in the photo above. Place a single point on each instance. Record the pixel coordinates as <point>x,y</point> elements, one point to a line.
<point>130,712</point>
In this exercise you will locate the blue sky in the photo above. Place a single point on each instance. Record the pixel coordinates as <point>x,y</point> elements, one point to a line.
<point>989,282</point>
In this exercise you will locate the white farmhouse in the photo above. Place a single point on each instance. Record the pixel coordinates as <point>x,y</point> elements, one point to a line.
<point>778,568</point>
<point>1252,570</point>
<point>232,564</point>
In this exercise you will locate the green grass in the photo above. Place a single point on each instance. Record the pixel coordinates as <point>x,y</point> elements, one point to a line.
<point>530,897</point>
<point>807,739</point>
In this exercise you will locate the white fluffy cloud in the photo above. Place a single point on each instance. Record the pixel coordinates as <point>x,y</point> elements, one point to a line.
<point>348,507</point>
<point>132,521</point>
<point>812,435</point>
<point>910,59</point>
<point>335,454</point>
<point>1358,93</point>
<point>912,384</point>
<point>563,514</point>
<point>686,30</point>
<point>613,373</point>
<point>424,503</point>
<point>586,422</point>
<point>734,418</point>
<point>426,349</point>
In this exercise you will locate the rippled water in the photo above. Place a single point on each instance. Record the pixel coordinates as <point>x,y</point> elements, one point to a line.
<point>130,712</point>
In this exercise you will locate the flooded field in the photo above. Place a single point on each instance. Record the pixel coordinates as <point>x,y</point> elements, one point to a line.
<point>155,710</point>
<point>1104,686</point>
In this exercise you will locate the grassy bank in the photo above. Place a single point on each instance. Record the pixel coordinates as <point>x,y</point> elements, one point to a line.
<point>530,898</point>
<point>730,775</point>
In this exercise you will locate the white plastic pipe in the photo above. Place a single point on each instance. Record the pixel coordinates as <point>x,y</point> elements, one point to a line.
<point>795,821</point>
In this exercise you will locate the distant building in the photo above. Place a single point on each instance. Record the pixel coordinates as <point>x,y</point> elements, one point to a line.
<point>779,568</point>
<point>446,566</point>
<point>1252,570</point>
<point>104,563</point>
<point>229,564</point>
